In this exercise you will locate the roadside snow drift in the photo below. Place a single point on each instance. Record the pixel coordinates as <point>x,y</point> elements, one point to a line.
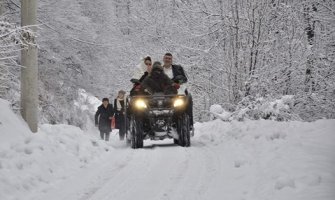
<point>271,160</point>
<point>12,128</point>
<point>251,160</point>
<point>28,161</point>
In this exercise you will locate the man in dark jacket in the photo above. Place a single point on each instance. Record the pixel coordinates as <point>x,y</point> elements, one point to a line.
<point>178,76</point>
<point>175,72</point>
<point>103,118</point>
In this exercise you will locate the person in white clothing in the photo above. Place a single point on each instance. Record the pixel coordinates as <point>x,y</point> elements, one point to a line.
<point>119,110</point>
<point>141,71</point>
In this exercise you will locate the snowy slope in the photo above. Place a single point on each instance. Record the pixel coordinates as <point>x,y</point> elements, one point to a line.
<point>11,126</point>
<point>29,162</point>
<point>237,160</point>
<point>271,160</point>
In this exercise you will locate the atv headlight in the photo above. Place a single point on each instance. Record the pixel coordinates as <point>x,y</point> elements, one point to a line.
<point>178,103</point>
<point>140,104</point>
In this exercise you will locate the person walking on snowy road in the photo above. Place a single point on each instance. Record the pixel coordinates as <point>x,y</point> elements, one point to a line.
<point>103,118</point>
<point>119,110</point>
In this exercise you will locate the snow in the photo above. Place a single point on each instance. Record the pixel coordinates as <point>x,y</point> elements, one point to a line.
<point>29,162</point>
<point>281,109</point>
<point>87,102</point>
<point>11,127</point>
<point>88,105</point>
<point>218,112</point>
<point>227,160</point>
<point>273,160</point>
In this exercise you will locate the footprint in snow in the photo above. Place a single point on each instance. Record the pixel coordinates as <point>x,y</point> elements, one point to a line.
<point>283,182</point>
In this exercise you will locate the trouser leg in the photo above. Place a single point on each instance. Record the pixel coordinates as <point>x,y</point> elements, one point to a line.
<point>121,125</point>
<point>102,134</point>
<point>107,136</point>
<point>122,132</point>
<point>123,129</point>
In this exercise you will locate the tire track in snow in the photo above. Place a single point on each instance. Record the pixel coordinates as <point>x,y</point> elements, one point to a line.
<point>123,182</point>
<point>202,169</point>
<point>148,174</point>
<point>84,183</point>
<point>159,171</point>
<point>105,177</point>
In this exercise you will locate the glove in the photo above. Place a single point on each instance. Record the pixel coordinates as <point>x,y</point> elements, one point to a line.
<point>179,79</point>
<point>176,85</point>
<point>136,81</point>
<point>137,87</point>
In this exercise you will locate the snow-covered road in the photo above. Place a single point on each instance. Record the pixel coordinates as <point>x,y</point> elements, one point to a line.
<point>251,160</point>
<point>161,170</point>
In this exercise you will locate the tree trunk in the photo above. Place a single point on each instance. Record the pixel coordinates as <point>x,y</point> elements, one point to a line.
<point>236,49</point>
<point>310,22</point>
<point>29,71</point>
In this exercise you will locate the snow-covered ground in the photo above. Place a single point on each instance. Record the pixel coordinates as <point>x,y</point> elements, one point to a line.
<point>228,160</point>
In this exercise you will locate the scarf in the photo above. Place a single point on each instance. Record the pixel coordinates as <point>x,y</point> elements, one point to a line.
<point>118,104</point>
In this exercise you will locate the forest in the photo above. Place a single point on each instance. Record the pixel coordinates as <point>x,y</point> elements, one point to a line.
<point>242,55</point>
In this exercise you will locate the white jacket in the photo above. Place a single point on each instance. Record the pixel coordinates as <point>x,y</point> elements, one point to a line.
<point>139,70</point>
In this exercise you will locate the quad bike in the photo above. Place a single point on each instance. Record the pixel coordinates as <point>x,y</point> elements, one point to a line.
<point>157,117</point>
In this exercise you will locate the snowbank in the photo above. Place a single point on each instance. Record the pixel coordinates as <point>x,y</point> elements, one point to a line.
<point>218,112</point>
<point>256,108</point>
<point>272,160</point>
<point>86,106</point>
<point>87,102</point>
<point>31,161</point>
<point>12,127</point>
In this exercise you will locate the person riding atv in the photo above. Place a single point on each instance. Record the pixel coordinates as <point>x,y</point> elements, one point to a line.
<point>158,81</point>
<point>159,112</point>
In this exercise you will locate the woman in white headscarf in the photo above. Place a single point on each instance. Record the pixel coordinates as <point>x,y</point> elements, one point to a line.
<point>143,69</point>
<point>119,110</point>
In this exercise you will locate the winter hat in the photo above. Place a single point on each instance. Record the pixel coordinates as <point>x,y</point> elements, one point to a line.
<point>157,66</point>
<point>122,92</point>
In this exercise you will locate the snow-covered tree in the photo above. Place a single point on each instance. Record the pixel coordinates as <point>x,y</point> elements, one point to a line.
<point>230,50</point>
<point>10,44</point>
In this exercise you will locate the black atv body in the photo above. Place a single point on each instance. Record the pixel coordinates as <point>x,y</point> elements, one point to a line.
<point>157,117</point>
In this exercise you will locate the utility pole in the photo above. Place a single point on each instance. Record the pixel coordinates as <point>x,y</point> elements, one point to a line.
<point>29,70</point>
<point>2,7</point>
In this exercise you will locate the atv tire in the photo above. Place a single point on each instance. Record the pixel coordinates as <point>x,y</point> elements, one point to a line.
<point>183,129</point>
<point>136,131</point>
<point>175,141</point>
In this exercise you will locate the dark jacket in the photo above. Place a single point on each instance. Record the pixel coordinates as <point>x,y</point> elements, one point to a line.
<point>119,114</point>
<point>135,91</point>
<point>102,118</point>
<point>143,76</point>
<point>179,74</point>
<point>157,82</point>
